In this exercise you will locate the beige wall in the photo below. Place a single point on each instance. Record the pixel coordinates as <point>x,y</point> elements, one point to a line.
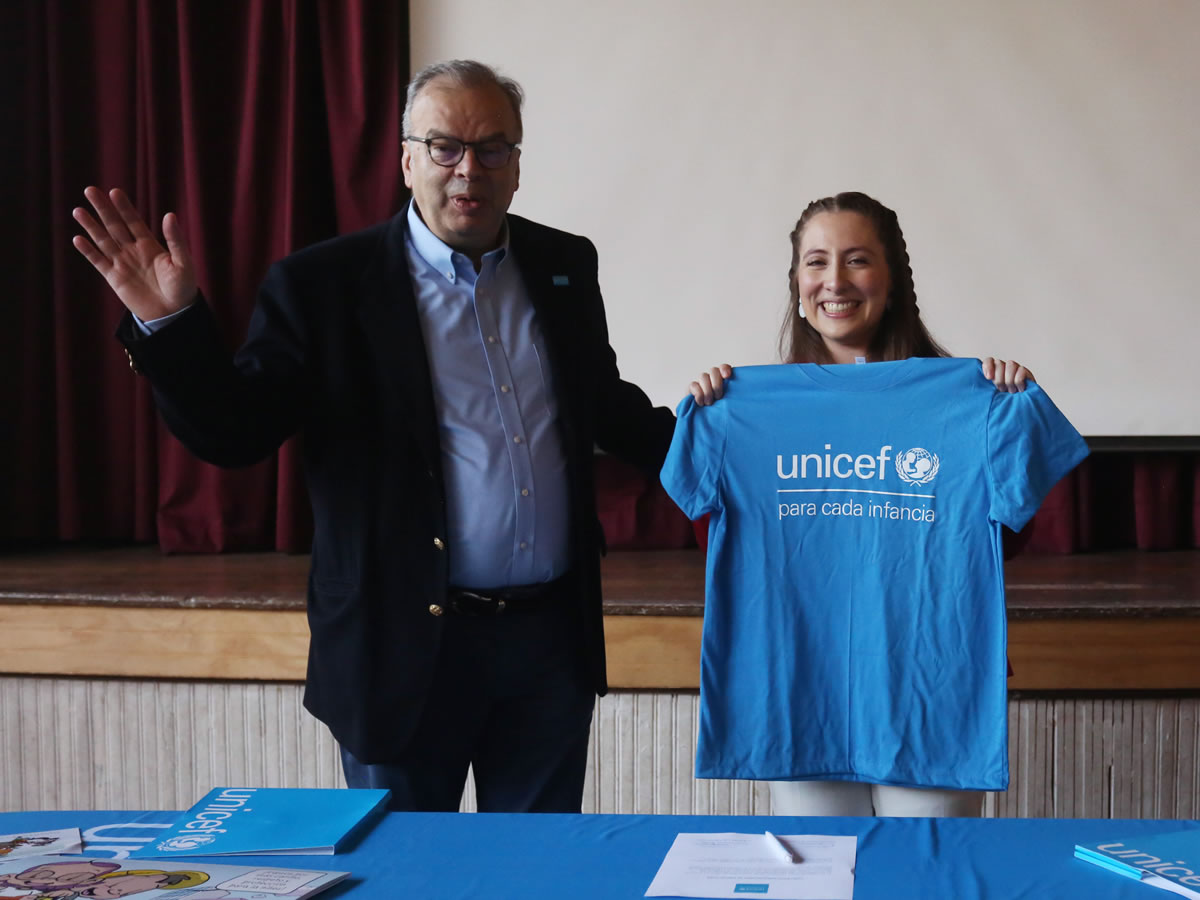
<point>1042,155</point>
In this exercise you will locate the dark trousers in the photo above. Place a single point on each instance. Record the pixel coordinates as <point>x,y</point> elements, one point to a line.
<point>507,699</point>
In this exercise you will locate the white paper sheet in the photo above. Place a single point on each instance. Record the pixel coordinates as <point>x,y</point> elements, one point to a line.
<point>746,865</point>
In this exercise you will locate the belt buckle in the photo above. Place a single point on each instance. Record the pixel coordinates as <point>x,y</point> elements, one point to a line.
<point>487,605</point>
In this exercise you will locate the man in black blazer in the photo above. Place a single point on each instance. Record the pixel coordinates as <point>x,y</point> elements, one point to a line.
<point>451,374</point>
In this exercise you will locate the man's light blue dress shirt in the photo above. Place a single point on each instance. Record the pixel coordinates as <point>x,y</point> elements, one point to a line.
<point>502,458</point>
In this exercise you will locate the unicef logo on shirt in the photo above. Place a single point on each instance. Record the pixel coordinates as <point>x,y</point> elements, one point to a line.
<point>917,466</point>
<point>187,841</point>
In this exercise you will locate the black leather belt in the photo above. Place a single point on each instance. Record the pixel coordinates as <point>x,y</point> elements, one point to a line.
<point>494,601</point>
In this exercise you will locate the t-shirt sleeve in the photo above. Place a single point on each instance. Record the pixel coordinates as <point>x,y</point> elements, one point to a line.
<point>1031,445</point>
<point>691,472</point>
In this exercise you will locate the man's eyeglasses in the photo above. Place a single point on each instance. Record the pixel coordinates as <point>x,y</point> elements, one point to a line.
<point>448,151</point>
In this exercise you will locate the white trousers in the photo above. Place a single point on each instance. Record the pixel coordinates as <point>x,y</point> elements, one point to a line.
<point>852,798</point>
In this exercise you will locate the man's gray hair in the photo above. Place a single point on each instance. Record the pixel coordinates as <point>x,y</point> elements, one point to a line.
<point>463,73</point>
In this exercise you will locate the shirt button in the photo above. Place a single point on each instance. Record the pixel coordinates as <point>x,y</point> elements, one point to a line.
<point>437,542</point>
<point>517,439</point>
<point>434,609</point>
<point>491,339</point>
<point>504,389</point>
<point>450,276</point>
<point>524,492</point>
<point>523,545</point>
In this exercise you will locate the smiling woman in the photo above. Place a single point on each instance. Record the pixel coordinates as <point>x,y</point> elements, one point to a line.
<point>851,292</point>
<point>842,282</point>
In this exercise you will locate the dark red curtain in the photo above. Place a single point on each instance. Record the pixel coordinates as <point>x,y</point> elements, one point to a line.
<point>1113,500</point>
<point>266,125</point>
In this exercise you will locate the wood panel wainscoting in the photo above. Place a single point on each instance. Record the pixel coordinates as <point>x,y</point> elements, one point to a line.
<point>133,680</point>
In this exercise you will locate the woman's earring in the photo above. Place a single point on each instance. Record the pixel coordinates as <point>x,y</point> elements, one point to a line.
<point>800,306</point>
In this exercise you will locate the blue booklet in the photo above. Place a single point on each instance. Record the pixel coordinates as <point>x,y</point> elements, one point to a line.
<point>1169,861</point>
<point>269,822</point>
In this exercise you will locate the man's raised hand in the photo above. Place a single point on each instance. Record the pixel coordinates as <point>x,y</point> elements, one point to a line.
<point>152,281</point>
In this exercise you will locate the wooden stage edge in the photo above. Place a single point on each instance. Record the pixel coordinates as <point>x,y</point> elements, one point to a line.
<point>246,621</point>
<point>644,652</point>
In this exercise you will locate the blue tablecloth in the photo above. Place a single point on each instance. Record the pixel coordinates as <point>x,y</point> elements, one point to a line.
<point>452,855</point>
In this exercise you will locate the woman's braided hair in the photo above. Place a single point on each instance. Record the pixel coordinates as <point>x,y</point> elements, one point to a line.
<point>901,333</point>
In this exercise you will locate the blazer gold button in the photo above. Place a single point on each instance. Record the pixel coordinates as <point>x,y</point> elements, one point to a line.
<point>434,609</point>
<point>437,542</point>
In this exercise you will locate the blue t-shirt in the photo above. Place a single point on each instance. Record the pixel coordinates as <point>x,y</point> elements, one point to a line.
<point>854,624</point>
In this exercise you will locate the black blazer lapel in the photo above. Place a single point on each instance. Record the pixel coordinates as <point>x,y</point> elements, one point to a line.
<point>392,329</point>
<point>549,282</point>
